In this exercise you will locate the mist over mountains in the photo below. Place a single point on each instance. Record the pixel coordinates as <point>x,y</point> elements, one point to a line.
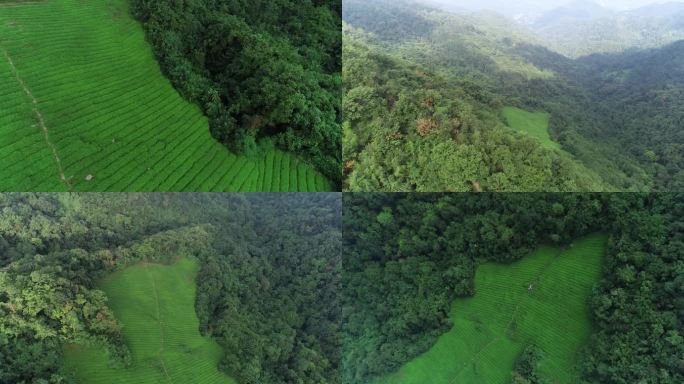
<point>576,11</point>
<point>539,6</point>
<point>582,27</point>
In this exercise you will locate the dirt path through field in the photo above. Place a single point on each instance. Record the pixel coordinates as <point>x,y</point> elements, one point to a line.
<point>161,327</point>
<point>39,117</point>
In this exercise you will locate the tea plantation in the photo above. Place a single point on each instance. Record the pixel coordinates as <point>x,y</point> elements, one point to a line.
<point>85,107</point>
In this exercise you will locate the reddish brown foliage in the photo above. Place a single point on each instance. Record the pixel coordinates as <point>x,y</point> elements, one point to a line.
<point>349,167</point>
<point>394,136</point>
<point>425,126</point>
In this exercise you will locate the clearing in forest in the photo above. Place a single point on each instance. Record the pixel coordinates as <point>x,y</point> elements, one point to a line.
<point>84,106</point>
<point>535,124</point>
<point>540,300</point>
<point>155,305</point>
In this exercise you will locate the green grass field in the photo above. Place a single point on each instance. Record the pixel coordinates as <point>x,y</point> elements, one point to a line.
<point>85,107</point>
<point>535,124</point>
<point>155,305</point>
<point>492,327</point>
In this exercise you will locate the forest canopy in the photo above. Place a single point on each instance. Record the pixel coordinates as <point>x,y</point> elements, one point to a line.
<point>408,256</point>
<point>262,71</point>
<point>259,256</point>
<point>425,91</point>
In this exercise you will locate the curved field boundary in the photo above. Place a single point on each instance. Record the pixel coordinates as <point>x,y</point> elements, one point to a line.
<point>539,300</point>
<point>155,305</point>
<point>82,75</point>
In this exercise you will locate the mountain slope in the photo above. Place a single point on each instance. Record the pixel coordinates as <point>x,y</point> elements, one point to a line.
<point>586,28</point>
<point>411,129</point>
<point>500,64</point>
<point>638,95</point>
<point>576,11</point>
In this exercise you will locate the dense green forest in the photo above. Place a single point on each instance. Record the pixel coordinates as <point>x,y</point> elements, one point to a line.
<point>265,72</point>
<point>423,109</point>
<point>266,289</point>
<point>407,257</point>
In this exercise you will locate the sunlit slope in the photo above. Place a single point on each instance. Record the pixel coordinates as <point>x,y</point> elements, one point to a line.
<point>492,327</point>
<point>82,96</point>
<point>155,305</point>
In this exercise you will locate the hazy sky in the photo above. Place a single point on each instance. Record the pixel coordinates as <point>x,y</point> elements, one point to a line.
<point>627,4</point>
<point>508,6</point>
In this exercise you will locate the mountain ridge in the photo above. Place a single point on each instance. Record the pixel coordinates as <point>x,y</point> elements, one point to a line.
<point>578,10</point>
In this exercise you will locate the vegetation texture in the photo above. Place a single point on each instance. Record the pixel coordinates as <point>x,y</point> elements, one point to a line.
<point>422,109</point>
<point>538,302</point>
<point>154,304</point>
<point>78,274</point>
<point>410,288</point>
<point>535,124</point>
<point>85,107</point>
<point>258,69</point>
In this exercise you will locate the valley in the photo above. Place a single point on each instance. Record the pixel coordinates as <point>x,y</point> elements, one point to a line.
<point>613,115</point>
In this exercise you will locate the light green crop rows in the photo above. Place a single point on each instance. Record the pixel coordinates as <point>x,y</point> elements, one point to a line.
<point>492,327</point>
<point>535,124</point>
<point>155,305</point>
<point>79,83</point>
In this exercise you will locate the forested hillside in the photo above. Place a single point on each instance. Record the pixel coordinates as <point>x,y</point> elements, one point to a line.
<point>409,256</point>
<point>408,128</point>
<point>259,70</point>
<point>260,259</point>
<point>614,116</point>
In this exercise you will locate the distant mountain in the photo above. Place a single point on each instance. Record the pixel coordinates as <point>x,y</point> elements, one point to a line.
<point>667,10</point>
<point>577,11</point>
<point>584,27</point>
<point>473,42</point>
<point>512,9</point>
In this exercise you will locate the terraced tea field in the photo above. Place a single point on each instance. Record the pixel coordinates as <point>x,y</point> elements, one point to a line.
<point>539,300</point>
<point>155,305</point>
<point>535,124</point>
<point>85,107</point>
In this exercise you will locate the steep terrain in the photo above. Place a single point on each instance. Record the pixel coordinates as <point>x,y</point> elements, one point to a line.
<point>614,115</point>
